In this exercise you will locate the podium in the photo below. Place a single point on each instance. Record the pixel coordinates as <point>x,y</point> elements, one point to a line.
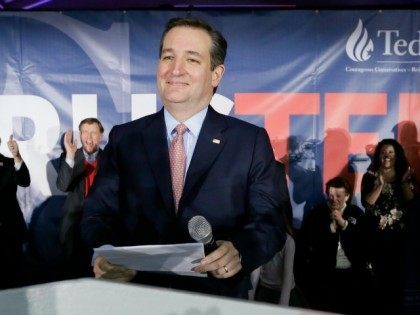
<point>100,297</point>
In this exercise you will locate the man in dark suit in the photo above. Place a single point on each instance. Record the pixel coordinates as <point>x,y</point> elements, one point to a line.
<point>75,176</point>
<point>13,232</point>
<point>228,174</point>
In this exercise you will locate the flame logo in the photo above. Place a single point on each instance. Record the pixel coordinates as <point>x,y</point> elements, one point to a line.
<point>359,46</point>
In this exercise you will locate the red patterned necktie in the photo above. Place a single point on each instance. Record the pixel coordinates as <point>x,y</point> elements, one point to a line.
<point>177,158</point>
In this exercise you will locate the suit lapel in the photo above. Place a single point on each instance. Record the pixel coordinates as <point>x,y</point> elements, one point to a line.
<point>78,163</point>
<point>156,149</point>
<point>210,143</point>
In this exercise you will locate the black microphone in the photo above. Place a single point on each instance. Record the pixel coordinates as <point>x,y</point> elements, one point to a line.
<point>200,230</point>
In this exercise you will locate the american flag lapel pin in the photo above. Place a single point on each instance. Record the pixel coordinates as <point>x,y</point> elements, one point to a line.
<point>217,141</point>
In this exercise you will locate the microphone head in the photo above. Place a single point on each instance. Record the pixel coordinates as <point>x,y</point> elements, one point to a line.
<point>200,229</point>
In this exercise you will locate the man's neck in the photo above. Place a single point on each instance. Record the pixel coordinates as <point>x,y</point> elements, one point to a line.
<point>90,153</point>
<point>183,114</point>
<point>90,157</point>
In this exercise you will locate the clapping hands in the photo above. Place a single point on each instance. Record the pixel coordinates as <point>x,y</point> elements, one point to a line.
<point>70,145</point>
<point>337,217</point>
<point>14,149</point>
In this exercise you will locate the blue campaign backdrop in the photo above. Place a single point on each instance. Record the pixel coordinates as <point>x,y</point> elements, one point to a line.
<point>327,85</point>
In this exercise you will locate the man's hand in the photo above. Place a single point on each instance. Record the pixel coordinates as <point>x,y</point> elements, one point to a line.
<point>224,262</point>
<point>70,145</point>
<point>14,149</point>
<point>105,270</point>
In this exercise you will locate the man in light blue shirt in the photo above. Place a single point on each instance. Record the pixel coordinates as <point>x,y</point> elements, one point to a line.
<point>229,175</point>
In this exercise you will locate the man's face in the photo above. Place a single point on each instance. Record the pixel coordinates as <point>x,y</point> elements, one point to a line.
<point>337,198</point>
<point>90,136</point>
<point>184,77</point>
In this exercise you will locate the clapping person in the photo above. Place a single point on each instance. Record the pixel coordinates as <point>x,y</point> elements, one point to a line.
<point>76,174</point>
<point>387,188</point>
<point>332,262</point>
<point>13,232</point>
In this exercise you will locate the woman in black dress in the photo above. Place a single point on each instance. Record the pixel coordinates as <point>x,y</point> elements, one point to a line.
<point>387,188</point>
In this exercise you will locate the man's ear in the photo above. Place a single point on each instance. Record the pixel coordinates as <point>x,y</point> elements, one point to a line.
<point>217,75</point>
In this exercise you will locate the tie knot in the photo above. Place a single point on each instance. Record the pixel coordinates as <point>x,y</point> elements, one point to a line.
<point>181,129</point>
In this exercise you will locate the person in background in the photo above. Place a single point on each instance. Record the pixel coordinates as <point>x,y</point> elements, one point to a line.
<point>387,188</point>
<point>76,174</point>
<point>159,171</point>
<point>13,231</point>
<point>332,262</point>
<point>276,283</point>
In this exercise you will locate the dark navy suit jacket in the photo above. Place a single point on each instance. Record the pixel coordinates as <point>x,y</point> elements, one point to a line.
<point>13,232</point>
<point>231,181</point>
<point>72,181</point>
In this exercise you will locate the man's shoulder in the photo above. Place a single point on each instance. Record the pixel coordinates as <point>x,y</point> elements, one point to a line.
<point>6,160</point>
<point>239,123</point>
<point>79,152</point>
<point>234,122</point>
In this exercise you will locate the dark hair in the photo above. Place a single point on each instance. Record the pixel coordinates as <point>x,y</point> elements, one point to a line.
<point>401,162</point>
<point>90,121</point>
<point>219,44</point>
<point>339,182</point>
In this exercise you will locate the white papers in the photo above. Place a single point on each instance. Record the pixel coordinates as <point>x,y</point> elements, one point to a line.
<point>174,258</point>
